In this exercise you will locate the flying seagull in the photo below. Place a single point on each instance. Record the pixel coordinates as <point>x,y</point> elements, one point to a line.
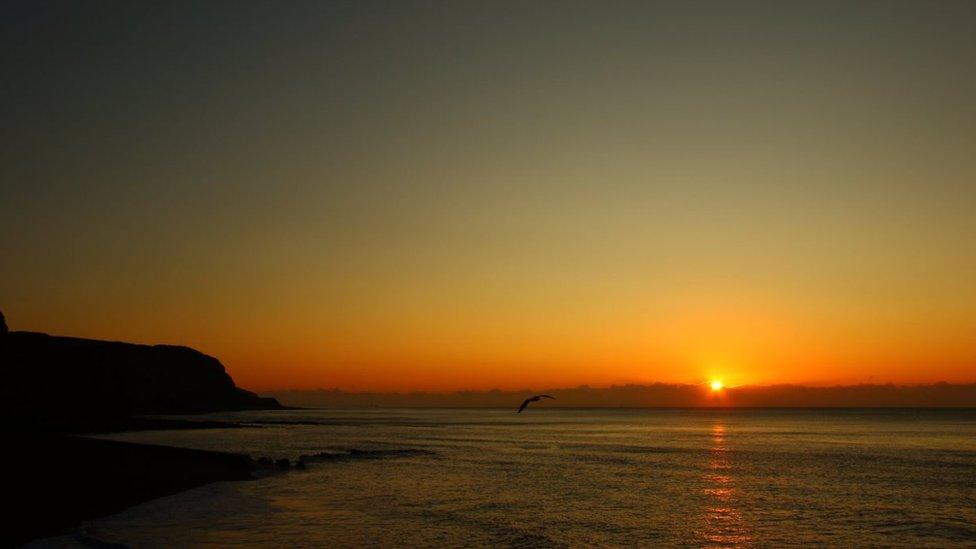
<point>536,398</point>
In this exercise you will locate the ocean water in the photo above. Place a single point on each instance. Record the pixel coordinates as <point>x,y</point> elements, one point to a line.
<point>556,478</point>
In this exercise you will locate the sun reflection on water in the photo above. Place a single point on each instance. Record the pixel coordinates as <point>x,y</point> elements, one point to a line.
<point>724,526</point>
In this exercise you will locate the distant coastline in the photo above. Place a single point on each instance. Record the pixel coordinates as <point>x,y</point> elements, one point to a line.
<point>658,395</point>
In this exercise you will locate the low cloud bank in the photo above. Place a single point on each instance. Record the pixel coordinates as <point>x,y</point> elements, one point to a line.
<point>938,395</point>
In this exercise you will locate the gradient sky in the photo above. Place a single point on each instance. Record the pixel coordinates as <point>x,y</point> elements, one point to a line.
<point>460,195</point>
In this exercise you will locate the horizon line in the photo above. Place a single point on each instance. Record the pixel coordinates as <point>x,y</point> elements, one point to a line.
<point>703,384</point>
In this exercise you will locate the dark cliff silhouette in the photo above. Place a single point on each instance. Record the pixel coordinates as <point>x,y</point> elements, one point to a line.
<point>71,384</point>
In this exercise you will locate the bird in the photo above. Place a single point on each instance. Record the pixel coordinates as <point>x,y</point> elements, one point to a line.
<point>536,398</point>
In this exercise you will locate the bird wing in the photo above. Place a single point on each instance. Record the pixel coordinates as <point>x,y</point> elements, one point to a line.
<point>524,404</point>
<point>546,396</point>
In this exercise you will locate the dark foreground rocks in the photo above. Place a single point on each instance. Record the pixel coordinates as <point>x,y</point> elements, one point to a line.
<point>53,483</point>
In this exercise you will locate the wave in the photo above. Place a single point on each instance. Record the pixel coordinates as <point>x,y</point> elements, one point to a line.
<point>356,453</point>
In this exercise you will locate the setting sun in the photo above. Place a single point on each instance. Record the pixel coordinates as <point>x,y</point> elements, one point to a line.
<point>716,385</point>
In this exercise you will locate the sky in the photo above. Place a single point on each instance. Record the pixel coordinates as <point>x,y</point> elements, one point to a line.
<point>394,196</point>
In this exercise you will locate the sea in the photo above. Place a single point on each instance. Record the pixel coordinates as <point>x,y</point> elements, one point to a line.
<point>552,477</point>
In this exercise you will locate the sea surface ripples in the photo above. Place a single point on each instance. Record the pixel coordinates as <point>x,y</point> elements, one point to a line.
<point>569,478</point>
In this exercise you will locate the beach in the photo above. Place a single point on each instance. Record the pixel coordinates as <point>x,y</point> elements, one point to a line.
<point>56,482</point>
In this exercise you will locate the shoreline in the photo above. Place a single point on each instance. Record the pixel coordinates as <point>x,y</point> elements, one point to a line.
<point>56,482</point>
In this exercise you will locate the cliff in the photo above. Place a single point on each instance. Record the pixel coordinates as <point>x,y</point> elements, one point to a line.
<point>72,384</point>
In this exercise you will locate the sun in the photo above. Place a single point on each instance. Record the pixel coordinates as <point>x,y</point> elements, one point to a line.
<point>716,385</point>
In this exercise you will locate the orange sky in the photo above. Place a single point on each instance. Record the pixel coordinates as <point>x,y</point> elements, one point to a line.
<point>420,197</point>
